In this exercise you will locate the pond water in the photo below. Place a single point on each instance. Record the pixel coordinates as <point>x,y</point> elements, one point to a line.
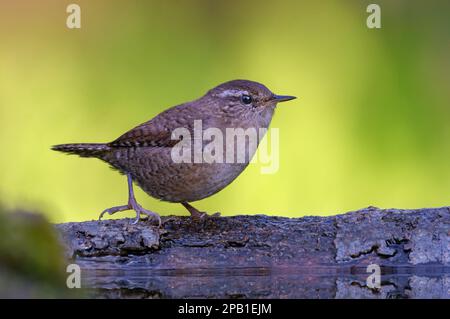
<point>324,283</point>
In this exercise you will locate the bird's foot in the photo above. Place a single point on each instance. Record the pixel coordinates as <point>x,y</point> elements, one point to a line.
<point>203,215</point>
<point>151,215</point>
<point>113,210</point>
<point>206,215</point>
<point>134,206</point>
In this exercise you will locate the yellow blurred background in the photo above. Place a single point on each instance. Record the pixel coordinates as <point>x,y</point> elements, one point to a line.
<point>370,127</point>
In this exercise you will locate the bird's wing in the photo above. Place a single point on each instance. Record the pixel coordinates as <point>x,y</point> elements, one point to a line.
<point>158,131</point>
<point>146,134</point>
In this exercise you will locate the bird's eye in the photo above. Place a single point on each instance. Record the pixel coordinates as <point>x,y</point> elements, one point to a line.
<point>246,99</point>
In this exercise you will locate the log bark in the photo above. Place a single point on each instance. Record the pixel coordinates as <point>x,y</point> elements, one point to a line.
<point>265,256</point>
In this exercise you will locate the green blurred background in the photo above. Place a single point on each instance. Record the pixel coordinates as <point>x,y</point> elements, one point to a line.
<point>371,126</point>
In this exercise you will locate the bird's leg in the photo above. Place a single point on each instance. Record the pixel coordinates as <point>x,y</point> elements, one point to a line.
<point>195,213</point>
<point>132,204</point>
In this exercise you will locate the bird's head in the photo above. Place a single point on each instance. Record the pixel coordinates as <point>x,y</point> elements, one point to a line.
<point>245,99</point>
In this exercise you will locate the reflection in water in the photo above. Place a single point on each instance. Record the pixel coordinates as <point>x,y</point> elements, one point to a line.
<point>261,284</point>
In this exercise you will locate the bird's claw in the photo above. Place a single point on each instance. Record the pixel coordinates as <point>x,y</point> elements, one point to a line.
<point>151,215</point>
<point>204,215</point>
<point>113,210</point>
<point>137,208</point>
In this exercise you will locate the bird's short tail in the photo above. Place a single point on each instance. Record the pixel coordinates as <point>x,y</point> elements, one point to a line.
<point>83,150</point>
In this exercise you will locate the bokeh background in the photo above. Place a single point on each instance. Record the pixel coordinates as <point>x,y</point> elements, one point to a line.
<point>370,127</point>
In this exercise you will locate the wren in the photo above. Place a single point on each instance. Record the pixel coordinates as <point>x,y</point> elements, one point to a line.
<point>144,154</point>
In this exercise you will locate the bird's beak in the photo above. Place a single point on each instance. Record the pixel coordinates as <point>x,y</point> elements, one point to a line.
<point>283,98</point>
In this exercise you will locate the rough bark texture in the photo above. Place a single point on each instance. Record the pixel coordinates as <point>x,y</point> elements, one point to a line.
<point>263,256</point>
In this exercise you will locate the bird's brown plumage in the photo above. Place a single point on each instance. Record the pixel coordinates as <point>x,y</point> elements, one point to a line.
<point>144,152</point>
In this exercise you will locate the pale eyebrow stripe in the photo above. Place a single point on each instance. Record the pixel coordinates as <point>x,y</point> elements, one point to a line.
<point>232,93</point>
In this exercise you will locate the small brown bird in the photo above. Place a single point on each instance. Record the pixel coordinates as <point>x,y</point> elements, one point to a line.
<point>145,153</point>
